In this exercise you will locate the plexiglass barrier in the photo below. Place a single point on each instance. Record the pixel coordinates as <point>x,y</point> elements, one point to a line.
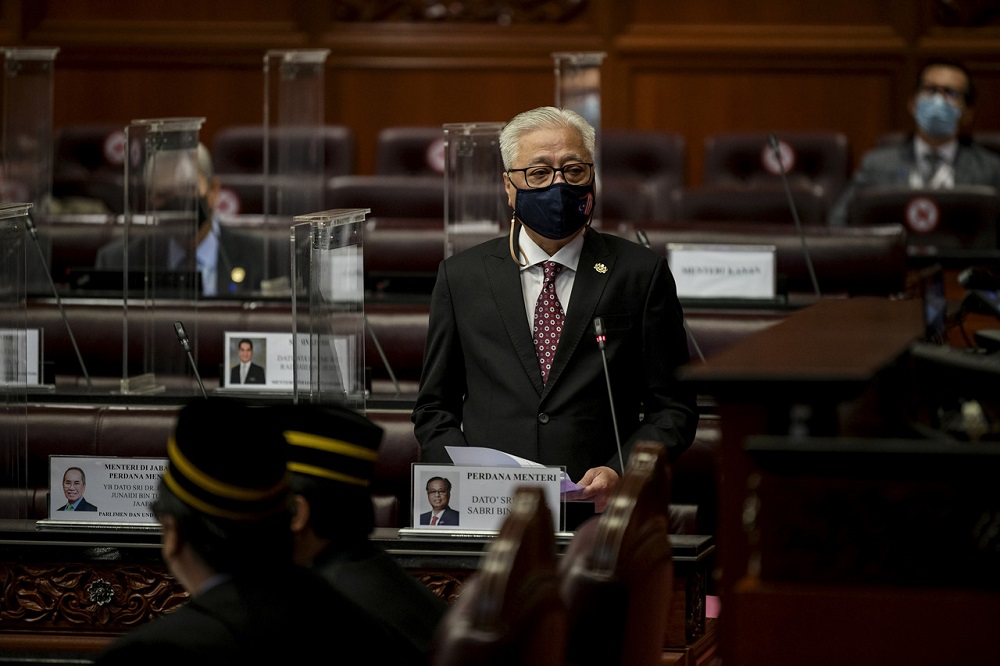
<point>475,201</point>
<point>328,307</point>
<point>293,119</point>
<point>578,87</point>
<point>164,217</point>
<point>15,358</point>
<point>27,126</point>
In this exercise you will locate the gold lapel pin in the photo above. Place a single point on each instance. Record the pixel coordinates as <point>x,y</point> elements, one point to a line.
<point>600,268</point>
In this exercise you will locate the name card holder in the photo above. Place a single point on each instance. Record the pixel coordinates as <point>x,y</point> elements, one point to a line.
<point>723,271</point>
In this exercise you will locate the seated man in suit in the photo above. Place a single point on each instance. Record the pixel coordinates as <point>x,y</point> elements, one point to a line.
<point>936,155</point>
<point>332,456</point>
<point>439,496</point>
<point>230,262</point>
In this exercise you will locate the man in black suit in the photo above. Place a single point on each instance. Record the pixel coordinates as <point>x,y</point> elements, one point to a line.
<point>246,371</point>
<point>487,382</point>
<point>224,504</point>
<point>439,497</point>
<point>936,155</point>
<point>230,261</point>
<point>74,486</point>
<point>332,456</point>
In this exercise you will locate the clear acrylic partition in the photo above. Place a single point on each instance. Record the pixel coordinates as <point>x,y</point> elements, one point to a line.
<point>294,159</point>
<point>328,307</point>
<point>13,354</point>
<point>294,163</point>
<point>161,224</point>
<point>474,199</point>
<point>578,87</point>
<point>27,127</point>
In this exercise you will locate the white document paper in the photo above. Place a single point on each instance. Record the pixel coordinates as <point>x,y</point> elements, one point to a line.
<point>481,456</point>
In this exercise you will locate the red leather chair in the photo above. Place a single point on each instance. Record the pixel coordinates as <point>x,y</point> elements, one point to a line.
<point>410,151</point>
<point>819,158</point>
<point>654,159</point>
<point>750,203</point>
<point>616,576</point>
<point>89,162</point>
<point>962,218</point>
<point>238,158</point>
<point>509,611</point>
<point>389,196</point>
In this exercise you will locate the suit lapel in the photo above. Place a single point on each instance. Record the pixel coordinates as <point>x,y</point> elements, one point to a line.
<point>505,281</point>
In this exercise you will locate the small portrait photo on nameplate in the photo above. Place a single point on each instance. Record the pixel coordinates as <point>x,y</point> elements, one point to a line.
<point>92,489</point>
<point>263,361</point>
<point>452,497</point>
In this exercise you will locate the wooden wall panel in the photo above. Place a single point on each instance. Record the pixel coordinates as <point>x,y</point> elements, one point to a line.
<point>683,65</point>
<point>727,101</point>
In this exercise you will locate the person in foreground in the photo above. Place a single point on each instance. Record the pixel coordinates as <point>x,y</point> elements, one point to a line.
<point>490,379</point>
<point>332,456</point>
<point>224,505</point>
<point>936,155</point>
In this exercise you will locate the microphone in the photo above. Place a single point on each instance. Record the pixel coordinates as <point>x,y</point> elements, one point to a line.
<point>33,232</point>
<point>186,345</point>
<point>795,213</point>
<point>601,338</point>
<point>644,241</point>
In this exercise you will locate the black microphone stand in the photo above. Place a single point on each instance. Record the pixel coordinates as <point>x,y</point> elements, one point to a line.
<point>33,232</point>
<point>795,213</point>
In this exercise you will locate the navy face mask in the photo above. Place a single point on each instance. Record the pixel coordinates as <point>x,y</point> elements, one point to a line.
<point>557,211</point>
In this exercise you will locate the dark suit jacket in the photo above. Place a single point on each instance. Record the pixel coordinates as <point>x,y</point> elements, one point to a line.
<point>481,385</point>
<point>84,505</point>
<point>891,165</point>
<point>368,576</point>
<point>250,621</point>
<point>255,374</point>
<point>239,248</point>
<point>448,517</point>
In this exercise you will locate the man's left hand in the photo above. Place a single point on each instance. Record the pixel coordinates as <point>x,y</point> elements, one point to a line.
<point>599,485</point>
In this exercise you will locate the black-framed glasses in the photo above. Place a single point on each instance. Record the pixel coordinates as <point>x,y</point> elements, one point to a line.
<point>953,95</point>
<point>438,492</point>
<point>575,173</point>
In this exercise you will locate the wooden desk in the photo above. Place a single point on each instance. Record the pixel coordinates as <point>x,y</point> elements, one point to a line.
<point>819,372</point>
<point>70,592</point>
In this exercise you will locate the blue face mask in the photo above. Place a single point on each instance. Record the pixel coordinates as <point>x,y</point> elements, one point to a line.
<point>936,117</point>
<point>557,211</point>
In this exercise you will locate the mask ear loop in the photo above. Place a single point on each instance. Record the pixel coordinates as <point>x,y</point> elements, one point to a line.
<point>510,236</point>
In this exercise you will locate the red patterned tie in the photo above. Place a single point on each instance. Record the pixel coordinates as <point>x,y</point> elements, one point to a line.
<point>434,520</point>
<point>548,319</point>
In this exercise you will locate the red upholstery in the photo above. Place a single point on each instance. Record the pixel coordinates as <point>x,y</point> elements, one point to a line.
<point>760,203</point>
<point>410,151</point>
<point>389,196</point>
<point>509,611</point>
<point>240,149</point>
<point>961,217</point>
<point>89,162</point>
<point>238,158</point>
<point>820,158</point>
<point>617,574</point>
<point>654,158</point>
